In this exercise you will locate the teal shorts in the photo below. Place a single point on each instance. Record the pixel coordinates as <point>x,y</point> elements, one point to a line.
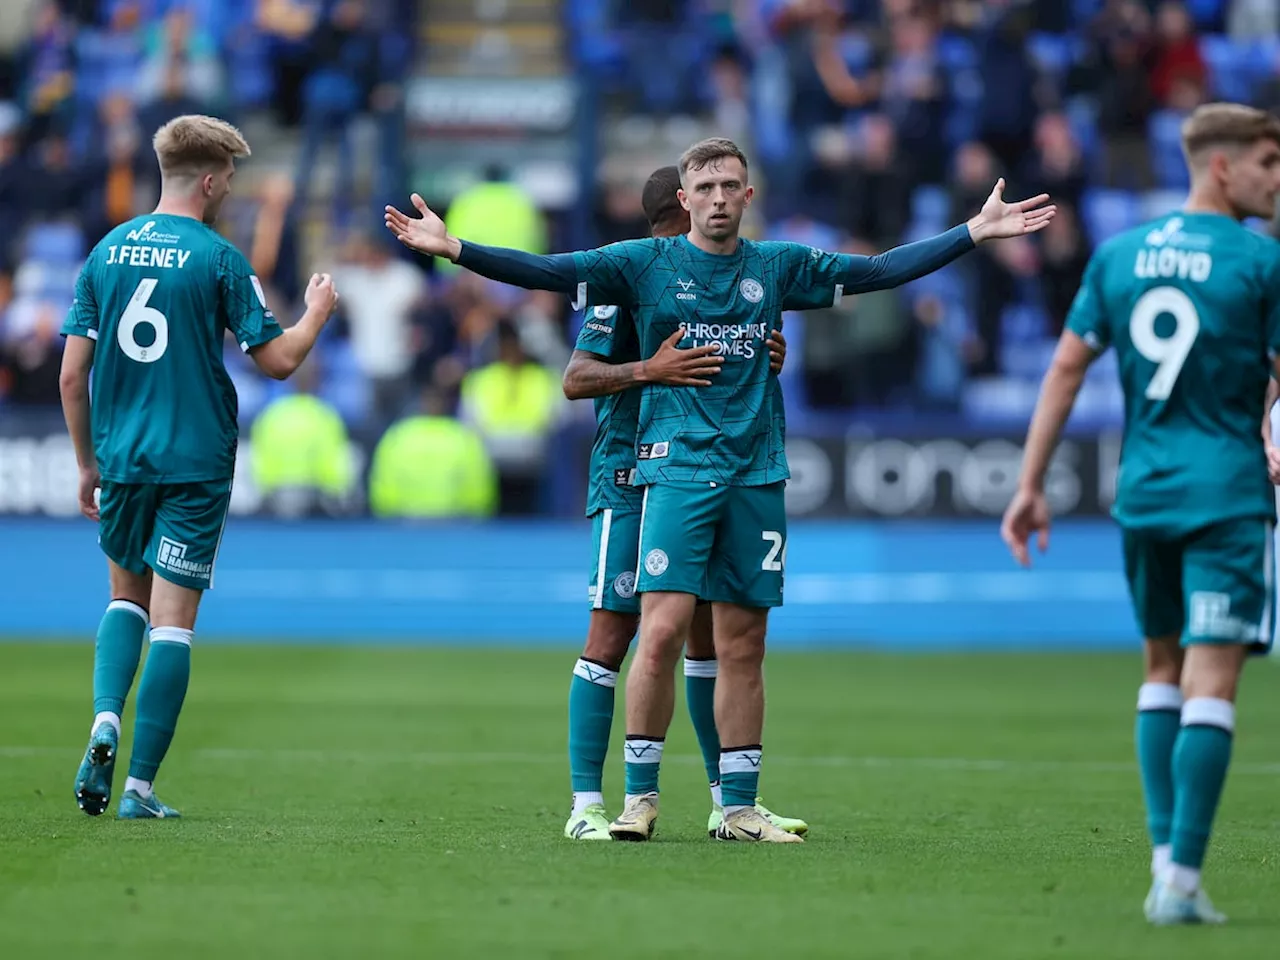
<point>174,529</point>
<point>724,544</point>
<point>1216,585</point>
<point>615,544</point>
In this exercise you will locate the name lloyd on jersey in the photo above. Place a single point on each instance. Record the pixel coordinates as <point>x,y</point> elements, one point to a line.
<point>729,339</point>
<point>1168,262</point>
<point>124,255</point>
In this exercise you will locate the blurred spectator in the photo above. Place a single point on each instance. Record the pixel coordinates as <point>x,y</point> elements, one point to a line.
<point>173,99</point>
<point>859,352</point>
<point>1177,53</point>
<point>380,295</point>
<point>47,65</point>
<point>499,212</point>
<point>12,176</point>
<point>1007,114</point>
<point>273,244</point>
<point>1056,166</point>
<point>302,460</point>
<point>514,403</point>
<point>1117,73</point>
<point>1064,255</point>
<point>344,52</point>
<point>181,65</point>
<point>430,466</point>
<point>31,350</point>
<point>876,190</point>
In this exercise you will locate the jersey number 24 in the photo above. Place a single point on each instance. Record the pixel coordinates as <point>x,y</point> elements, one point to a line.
<point>1167,353</point>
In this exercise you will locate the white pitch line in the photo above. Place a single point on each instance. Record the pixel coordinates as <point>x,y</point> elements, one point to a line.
<point>957,764</point>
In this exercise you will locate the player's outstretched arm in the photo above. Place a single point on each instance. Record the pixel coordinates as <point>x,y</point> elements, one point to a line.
<point>73,385</point>
<point>911,261</point>
<point>1029,511</point>
<point>591,375</point>
<point>427,234</point>
<point>280,357</point>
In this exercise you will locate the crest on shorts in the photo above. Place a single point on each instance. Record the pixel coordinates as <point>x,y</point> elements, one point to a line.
<point>656,563</point>
<point>624,584</point>
<point>751,290</point>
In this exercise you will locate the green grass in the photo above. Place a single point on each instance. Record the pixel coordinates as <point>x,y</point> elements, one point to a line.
<point>375,803</point>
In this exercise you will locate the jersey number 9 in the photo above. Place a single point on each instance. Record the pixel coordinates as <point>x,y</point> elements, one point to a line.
<point>137,313</point>
<point>1168,353</point>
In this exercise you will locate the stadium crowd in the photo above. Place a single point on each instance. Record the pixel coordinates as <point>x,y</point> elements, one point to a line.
<point>872,121</point>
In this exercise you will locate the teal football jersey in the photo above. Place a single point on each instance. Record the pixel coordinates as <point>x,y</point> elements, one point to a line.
<point>158,294</point>
<point>732,432</point>
<point>611,333</point>
<point>1191,305</point>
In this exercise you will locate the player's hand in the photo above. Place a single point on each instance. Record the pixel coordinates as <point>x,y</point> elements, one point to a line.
<point>777,351</point>
<point>1027,514</point>
<point>321,295</point>
<point>998,219</point>
<point>683,368</point>
<point>1273,463</point>
<point>89,484</point>
<point>426,234</point>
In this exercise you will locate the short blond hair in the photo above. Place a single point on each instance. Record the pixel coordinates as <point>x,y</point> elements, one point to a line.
<point>189,146</point>
<point>705,152</point>
<point>1218,125</point>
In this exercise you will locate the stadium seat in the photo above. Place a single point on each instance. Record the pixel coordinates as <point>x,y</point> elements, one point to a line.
<point>1052,53</point>
<point>1024,323</point>
<point>930,208</point>
<point>1164,131</point>
<point>1108,212</point>
<point>55,243</point>
<point>1230,66</point>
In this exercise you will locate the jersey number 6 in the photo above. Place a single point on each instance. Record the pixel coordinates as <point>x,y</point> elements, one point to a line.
<point>138,312</point>
<point>1168,353</point>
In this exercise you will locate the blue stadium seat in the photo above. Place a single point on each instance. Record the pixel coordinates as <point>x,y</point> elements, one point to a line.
<point>1230,67</point>
<point>1164,131</point>
<point>55,243</point>
<point>1207,14</point>
<point>1108,212</point>
<point>1024,323</point>
<point>930,208</point>
<point>956,52</point>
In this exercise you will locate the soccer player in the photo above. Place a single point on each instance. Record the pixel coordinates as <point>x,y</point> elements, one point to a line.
<point>606,365</point>
<point>1191,305</point>
<point>155,434</point>
<point>711,459</point>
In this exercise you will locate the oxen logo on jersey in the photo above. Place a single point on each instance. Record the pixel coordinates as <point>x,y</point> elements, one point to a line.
<point>624,584</point>
<point>751,290</point>
<point>685,287</point>
<point>604,313</point>
<point>656,563</point>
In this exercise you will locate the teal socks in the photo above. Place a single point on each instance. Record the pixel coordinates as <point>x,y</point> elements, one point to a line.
<point>700,691</point>
<point>644,756</point>
<point>1155,732</point>
<point>160,695</point>
<point>740,776</point>
<point>1200,761</point>
<point>115,655</point>
<point>591,696</point>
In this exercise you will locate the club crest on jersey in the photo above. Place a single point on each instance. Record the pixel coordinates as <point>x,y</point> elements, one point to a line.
<point>624,584</point>
<point>751,290</point>
<point>656,563</point>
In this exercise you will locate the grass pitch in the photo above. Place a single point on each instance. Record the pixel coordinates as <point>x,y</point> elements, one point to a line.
<point>361,802</point>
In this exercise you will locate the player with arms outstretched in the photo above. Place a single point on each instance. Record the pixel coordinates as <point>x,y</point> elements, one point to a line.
<point>1191,305</point>
<point>155,435</point>
<point>606,365</point>
<point>712,459</point>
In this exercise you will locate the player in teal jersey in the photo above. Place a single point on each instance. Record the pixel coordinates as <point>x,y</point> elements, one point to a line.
<point>155,434</point>
<point>1191,305</point>
<point>712,458</point>
<point>606,365</point>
